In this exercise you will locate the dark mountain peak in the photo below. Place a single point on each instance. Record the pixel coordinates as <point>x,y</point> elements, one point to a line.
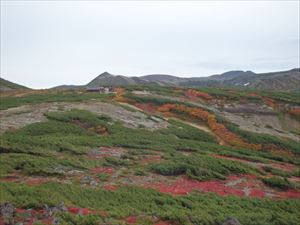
<point>232,75</point>
<point>6,85</point>
<point>105,74</point>
<point>237,73</point>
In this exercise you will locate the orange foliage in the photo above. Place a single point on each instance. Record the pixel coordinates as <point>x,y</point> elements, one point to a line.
<point>219,129</point>
<point>269,102</point>
<point>148,107</point>
<point>295,112</point>
<point>119,95</point>
<point>192,94</point>
<point>253,95</point>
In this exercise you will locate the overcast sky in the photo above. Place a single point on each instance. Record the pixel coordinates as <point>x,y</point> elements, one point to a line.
<point>44,44</point>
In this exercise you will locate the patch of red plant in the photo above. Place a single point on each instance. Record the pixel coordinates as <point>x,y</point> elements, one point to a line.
<point>131,219</point>
<point>74,210</point>
<point>110,187</point>
<point>147,107</point>
<point>290,194</point>
<point>150,158</point>
<point>257,193</point>
<point>269,102</point>
<point>34,181</point>
<point>9,179</point>
<point>162,223</point>
<point>184,186</point>
<point>106,170</point>
<point>295,112</point>
<point>193,94</point>
<point>47,221</point>
<point>253,94</point>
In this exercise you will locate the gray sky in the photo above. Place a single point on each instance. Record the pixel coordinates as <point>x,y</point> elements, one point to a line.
<point>44,44</point>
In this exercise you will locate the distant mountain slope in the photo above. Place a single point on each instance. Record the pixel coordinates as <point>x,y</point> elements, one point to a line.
<point>107,79</point>
<point>165,79</point>
<point>279,81</point>
<point>68,87</point>
<point>6,85</point>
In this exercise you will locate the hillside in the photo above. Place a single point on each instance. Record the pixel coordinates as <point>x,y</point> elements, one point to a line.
<point>280,81</point>
<point>150,155</point>
<point>107,79</point>
<point>6,85</point>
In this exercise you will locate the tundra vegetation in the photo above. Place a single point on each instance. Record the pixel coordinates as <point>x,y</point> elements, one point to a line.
<point>107,173</point>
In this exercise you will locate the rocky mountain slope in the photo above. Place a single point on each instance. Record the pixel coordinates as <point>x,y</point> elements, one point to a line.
<point>279,81</point>
<point>107,79</point>
<point>282,81</point>
<point>6,85</point>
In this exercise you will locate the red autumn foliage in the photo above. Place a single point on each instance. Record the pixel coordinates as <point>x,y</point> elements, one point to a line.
<point>253,95</point>
<point>295,112</point>
<point>74,210</point>
<point>163,223</point>
<point>237,185</point>
<point>131,219</point>
<point>148,107</point>
<point>184,186</point>
<point>35,181</point>
<point>269,102</point>
<point>106,170</point>
<point>290,194</point>
<point>110,187</point>
<point>193,94</point>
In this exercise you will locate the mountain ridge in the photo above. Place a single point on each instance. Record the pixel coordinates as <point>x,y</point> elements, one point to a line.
<point>6,85</point>
<point>280,80</point>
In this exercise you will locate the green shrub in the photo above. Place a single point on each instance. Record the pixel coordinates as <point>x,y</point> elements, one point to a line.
<point>277,182</point>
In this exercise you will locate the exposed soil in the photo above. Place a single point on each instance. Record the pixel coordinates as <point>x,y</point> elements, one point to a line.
<point>18,117</point>
<point>103,152</point>
<point>250,118</point>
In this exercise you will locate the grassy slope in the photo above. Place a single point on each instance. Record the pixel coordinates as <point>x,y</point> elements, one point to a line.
<point>38,149</point>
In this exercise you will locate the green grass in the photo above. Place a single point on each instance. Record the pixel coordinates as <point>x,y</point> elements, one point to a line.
<point>66,96</point>
<point>279,183</point>
<point>201,167</point>
<point>63,142</point>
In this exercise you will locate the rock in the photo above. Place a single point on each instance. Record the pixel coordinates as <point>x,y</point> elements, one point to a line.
<point>7,211</point>
<point>55,221</point>
<point>93,183</point>
<point>58,208</point>
<point>231,221</point>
